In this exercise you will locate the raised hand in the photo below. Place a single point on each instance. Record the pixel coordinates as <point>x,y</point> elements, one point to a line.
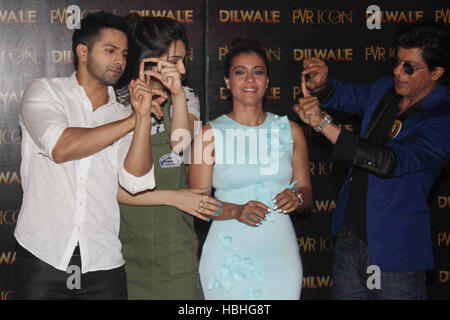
<point>308,107</point>
<point>168,74</point>
<point>318,72</point>
<point>142,93</point>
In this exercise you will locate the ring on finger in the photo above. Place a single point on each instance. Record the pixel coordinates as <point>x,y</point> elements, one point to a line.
<point>300,197</point>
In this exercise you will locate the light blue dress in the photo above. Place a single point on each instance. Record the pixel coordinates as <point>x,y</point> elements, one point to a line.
<point>239,261</point>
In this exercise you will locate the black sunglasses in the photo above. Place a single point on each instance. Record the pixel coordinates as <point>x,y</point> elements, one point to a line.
<point>407,67</point>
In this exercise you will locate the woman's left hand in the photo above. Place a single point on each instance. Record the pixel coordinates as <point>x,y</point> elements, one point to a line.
<point>168,74</point>
<point>288,201</point>
<point>197,203</point>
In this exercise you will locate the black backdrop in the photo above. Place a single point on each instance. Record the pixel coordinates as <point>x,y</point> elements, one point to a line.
<point>36,42</point>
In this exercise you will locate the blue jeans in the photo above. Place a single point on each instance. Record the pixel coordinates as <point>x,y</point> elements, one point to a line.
<point>351,276</point>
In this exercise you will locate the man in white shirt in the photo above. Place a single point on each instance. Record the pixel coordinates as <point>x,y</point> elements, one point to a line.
<point>78,144</point>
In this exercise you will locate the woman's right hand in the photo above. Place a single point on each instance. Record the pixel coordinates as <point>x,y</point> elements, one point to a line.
<point>251,213</point>
<point>168,74</point>
<point>197,203</point>
<point>142,95</point>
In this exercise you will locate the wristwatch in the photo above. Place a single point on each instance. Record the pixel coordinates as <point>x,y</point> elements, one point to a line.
<point>325,121</point>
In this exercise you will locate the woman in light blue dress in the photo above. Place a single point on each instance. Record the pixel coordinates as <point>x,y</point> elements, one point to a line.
<point>257,162</point>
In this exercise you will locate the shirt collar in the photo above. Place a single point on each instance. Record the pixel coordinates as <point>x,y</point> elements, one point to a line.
<point>72,83</point>
<point>112,98</point>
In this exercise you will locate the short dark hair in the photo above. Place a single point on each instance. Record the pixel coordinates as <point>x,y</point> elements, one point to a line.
<point>239,46</point>
<point>151,37</point>
<point>91,25</point>
<point>432,39</point>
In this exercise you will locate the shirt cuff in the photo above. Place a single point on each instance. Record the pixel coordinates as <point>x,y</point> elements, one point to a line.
<point>50,139</point>
<point>135,184</point>
<point>346,146</point>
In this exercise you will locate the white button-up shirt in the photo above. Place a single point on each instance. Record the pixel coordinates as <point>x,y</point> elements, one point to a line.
<point>74,201</point>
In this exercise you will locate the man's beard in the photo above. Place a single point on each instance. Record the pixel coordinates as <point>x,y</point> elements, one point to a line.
<point>102,75</point>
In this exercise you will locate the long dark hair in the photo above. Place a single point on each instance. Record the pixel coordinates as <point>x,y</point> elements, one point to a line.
<point>151,37</point>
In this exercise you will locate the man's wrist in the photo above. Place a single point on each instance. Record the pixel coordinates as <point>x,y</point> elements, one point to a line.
<point>131,121</point>
<point>326,120</point>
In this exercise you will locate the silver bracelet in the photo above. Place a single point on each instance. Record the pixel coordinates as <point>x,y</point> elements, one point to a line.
<point>327,119</point>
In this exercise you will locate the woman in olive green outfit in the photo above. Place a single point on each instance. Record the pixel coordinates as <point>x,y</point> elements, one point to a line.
<point>159,241</point>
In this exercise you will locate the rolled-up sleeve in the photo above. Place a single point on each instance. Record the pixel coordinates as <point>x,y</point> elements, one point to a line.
<point>42,116</point>
<point>128,181</point>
